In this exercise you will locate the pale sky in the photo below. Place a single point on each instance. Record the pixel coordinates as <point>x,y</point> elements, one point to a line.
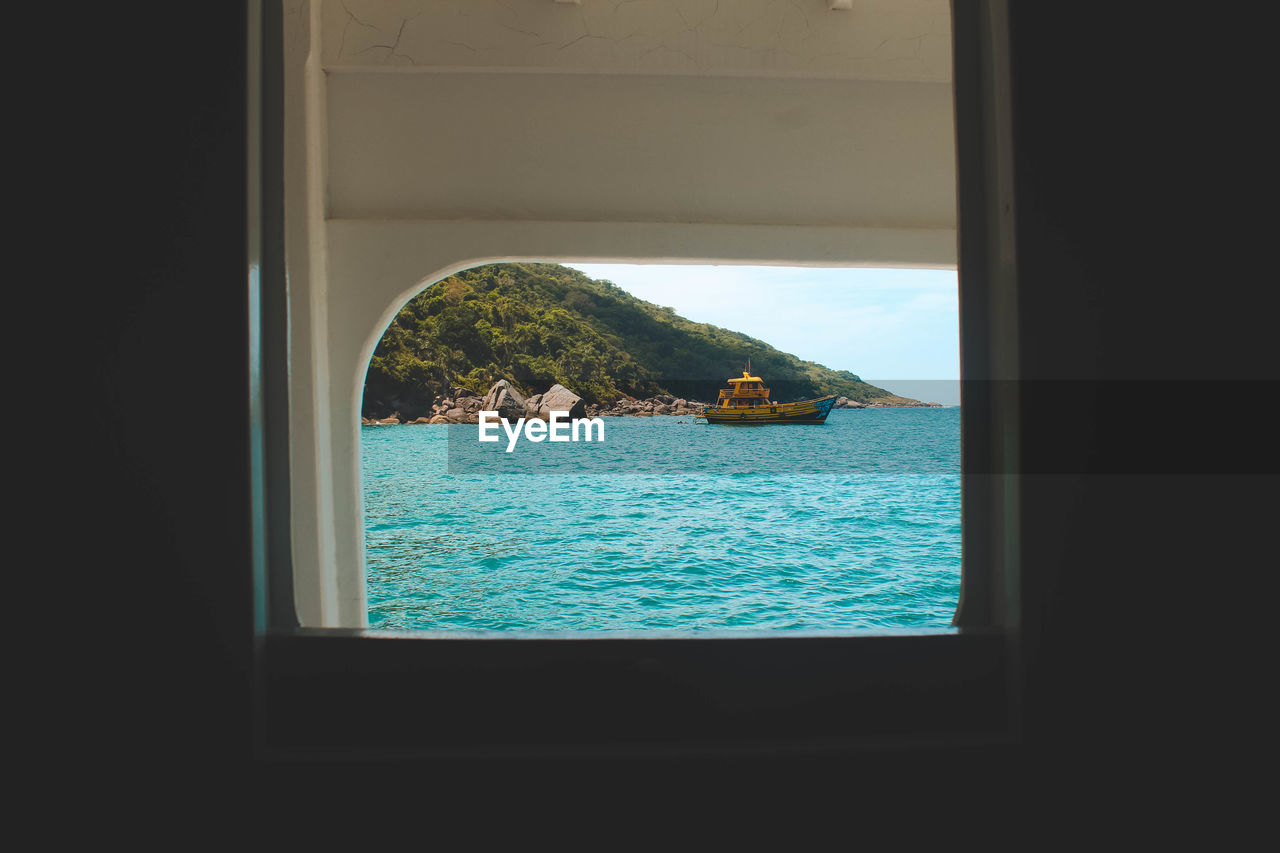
<point>898,329</point>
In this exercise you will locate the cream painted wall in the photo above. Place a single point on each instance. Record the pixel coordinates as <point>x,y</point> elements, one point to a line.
<point>875,40</point>
<point>640,148</point>
<point>793,143</point>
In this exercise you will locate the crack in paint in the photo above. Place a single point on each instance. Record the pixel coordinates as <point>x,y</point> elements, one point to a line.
<point>524,32</point>
<point>392,48</point>
<point>350,17</point>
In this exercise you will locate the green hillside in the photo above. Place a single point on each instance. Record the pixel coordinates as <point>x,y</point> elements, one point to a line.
<point>539,324</point>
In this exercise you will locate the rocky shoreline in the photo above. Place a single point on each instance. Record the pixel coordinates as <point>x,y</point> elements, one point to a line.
<point>463,406</point>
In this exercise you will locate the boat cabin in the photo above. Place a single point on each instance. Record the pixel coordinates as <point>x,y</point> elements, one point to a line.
<point>747,391</point>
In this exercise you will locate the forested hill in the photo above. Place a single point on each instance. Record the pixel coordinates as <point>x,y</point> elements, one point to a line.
<point>539,324</point>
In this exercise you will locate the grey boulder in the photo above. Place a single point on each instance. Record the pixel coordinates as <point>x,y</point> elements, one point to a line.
<point>506,400</point>
<point>560,399</point>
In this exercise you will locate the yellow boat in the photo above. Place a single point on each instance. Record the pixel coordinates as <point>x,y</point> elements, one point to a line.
<point>747,401</point>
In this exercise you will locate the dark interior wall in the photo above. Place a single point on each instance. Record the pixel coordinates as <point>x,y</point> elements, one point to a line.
<point>1139,260</point>
<point>1147,341</point>
<point>150,137</point>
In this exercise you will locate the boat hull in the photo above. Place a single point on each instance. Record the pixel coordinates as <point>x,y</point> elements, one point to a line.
<point>804,412</point>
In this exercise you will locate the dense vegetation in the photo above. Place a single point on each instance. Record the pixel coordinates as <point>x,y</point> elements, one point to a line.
<point>539,324</point>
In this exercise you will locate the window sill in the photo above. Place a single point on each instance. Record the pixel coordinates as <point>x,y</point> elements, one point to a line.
<point>361,694</point>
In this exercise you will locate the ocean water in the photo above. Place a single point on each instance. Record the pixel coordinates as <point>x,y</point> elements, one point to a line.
<point>669,524</point>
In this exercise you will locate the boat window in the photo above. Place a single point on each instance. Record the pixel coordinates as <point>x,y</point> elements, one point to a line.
<point>353,561</point>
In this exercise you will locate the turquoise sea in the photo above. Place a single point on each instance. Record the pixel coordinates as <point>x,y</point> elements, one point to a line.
<point>669,524</point>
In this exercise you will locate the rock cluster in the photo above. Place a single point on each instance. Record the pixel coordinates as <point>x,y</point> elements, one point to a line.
<point>663,404</point>
<point>463,406</point>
